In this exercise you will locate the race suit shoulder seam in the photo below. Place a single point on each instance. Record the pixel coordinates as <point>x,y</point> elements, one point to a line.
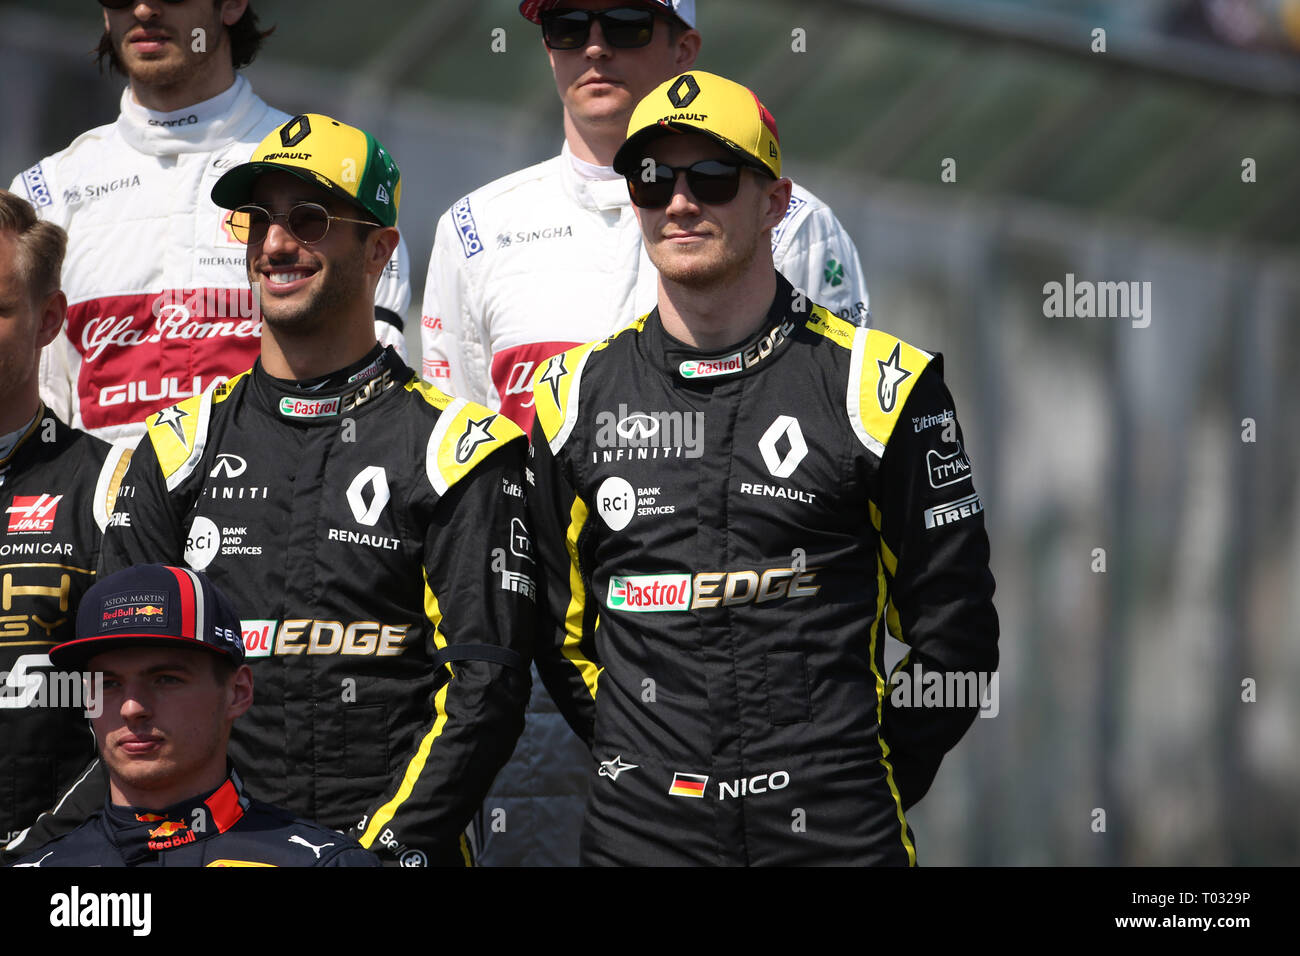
<point>882,372</point>
<point>186,424</point>
<point>562,375</point>
<point>465,434</point>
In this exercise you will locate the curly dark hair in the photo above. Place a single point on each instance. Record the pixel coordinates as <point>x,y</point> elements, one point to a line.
<point>245,41</point>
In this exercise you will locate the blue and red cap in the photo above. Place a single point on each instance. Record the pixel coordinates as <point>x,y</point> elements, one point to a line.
<point>155,605</point>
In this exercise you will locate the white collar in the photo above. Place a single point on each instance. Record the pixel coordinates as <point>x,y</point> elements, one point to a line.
<point>592,186</point>
<point>194,129</point>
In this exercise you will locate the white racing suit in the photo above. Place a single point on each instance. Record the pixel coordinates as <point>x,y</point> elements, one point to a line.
<point>159,303</point>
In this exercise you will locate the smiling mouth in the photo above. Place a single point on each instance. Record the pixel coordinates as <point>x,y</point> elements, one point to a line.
<point>285,277</point>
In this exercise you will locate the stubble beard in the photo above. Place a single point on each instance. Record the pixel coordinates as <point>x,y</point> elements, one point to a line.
<point>706,272</point>
<point>178,69</point>
<point>337,285</point>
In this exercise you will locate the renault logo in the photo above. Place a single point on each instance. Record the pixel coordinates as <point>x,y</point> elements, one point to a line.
<point>684,91</point>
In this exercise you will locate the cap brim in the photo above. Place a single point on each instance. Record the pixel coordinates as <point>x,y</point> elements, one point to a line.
<point>531,10</point>
<point>74,654</point>
<point>629,152</point>
<point>235,188</point>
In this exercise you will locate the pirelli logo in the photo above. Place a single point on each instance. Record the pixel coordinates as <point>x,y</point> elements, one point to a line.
<point>941,515</point>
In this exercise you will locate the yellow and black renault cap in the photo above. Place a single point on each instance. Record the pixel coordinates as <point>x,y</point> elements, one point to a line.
<point>699,102</point>
<point>347,161</point>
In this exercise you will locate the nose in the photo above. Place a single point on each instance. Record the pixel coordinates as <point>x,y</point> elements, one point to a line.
<point>597,47</point>
<point>279,239</point>
<point>134,704</point>
<point>683,202</point>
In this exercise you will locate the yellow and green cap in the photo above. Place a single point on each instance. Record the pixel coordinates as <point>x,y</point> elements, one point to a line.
<point>699,102</point>
<point>318,149</point>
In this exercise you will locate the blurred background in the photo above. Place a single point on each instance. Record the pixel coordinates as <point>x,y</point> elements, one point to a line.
<point>1170,447</point>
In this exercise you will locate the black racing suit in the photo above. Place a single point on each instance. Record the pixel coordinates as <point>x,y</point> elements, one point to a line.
<point>56,490</point>
<point>370,532</point>
<point>727,537</point>
<point>221,828</point>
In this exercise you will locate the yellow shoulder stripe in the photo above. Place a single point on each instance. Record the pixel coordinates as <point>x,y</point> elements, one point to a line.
<point>882,373</point>
<point>830,325</point>
<point>110,479</point>
<point>556,384</point>
<point>465,435</point>
<point>430,393</point>
<point>179,433</point>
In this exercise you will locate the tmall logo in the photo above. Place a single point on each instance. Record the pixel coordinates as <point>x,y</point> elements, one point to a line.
<point>682,93</point>
<point>376,479</point>
<point>33,514</point>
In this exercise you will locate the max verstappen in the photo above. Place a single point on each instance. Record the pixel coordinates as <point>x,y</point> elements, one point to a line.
<point>167,647</point>
<point>370,528</point>
<point>158,308</point>
<point>737,497</point>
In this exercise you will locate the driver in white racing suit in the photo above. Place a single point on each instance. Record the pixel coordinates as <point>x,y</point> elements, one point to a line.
<point>158,302</point>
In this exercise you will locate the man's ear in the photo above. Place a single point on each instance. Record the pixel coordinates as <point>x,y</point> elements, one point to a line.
<point>53,310</point>
<point>778,202</point>
<point>688,48</point>
<point>232,10</point>
<point>380,245</point>
<point>241,692</point>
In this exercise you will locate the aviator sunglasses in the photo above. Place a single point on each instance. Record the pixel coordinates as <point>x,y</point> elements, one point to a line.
<point>624,27</point>
<point>712,181</point>
<point>307,222</point>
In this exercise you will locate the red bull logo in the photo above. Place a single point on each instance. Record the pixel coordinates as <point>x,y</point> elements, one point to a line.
<point>172,833</point>
<point>150,609</point>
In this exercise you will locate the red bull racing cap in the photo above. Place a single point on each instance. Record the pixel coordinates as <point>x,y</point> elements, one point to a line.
<point>152,604</point>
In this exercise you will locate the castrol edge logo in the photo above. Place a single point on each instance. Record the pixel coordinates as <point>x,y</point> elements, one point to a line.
<point>647,593</point>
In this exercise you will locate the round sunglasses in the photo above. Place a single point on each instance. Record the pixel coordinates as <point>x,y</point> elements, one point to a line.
<point>307,222</point>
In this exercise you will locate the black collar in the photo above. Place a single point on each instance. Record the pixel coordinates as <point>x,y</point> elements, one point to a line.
<point>683,363</point>
<point>329,398</point>
<point>141,834</point>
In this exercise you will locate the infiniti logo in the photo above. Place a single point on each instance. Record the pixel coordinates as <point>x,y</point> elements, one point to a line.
<point>638,426</point>
<point>232,466</point>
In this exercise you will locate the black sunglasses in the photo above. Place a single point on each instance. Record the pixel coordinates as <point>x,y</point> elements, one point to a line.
<point>625,27</point>
<point>307,222</point>
<point>123,4</point>
<point>712,181</point>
